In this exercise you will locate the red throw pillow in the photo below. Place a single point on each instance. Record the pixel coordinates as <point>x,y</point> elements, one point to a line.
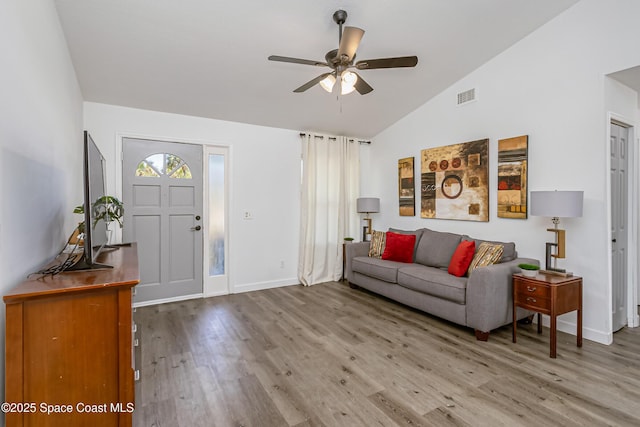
<point>399,247</point>
<point>461,258</point>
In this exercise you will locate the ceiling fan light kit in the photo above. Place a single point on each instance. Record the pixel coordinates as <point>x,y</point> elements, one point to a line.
<point>347,82</point>
<point>341,59</point>
<point>328,82</point>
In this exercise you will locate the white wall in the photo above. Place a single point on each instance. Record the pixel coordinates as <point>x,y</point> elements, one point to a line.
<point>550,86</point>
<point>40,141</point>
<point>265,179</point>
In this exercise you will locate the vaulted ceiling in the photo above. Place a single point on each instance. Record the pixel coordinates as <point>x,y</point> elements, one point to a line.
<point>208,58</point>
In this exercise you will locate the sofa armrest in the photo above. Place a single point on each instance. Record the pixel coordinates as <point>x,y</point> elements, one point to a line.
<point>353,250</point>
<point>490,295</point>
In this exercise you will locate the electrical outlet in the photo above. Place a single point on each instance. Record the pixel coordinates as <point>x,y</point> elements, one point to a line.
<point>247,215</point>
<point>281,264</point>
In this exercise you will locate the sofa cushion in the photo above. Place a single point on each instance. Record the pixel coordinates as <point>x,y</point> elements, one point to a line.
<point>376,247</point>
<point>399,247</point>
<point>509,248</point>
<point>461,258</point>
<point>436,248</point>
<point>433,281</point>
<point>487,254</point>
<point>377,268</point>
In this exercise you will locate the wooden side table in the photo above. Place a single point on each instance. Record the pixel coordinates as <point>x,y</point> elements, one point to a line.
<point>551,295</point>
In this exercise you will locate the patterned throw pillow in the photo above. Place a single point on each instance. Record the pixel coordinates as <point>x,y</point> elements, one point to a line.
<point>487,254</point>
<point>378,240</point>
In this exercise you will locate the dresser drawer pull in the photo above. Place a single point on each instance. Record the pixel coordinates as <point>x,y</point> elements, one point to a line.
<point>531,299</point>
<point>531,289</point>
<point>136,375</point>
<point>136,342</point>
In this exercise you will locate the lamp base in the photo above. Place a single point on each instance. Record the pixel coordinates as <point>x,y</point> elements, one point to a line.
<point>557,273</point>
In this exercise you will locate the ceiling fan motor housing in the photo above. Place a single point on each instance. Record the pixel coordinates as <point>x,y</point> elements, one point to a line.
<point>340,17</point>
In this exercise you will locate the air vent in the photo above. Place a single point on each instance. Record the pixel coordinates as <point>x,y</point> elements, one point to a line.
<point>466,96</point>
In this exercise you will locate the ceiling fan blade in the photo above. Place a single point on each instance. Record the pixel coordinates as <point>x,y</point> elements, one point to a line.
<point>311,83</point>
<point>297,61</point>
<point>361,86</point>
<point>403,61</point>
<point>350,41</point>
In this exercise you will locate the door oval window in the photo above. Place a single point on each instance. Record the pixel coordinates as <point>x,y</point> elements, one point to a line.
<point>156,165</point>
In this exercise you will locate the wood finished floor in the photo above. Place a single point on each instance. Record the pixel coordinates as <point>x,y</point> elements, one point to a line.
<point>328,355</point>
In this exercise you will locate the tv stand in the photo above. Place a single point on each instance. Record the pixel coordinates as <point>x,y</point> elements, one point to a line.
<point>69,342</point>
<point>83,265</point>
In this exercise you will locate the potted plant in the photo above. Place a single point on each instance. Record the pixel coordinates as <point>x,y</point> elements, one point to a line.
<point>348,239</point>
<point>106,208</point>
<point>529,270</point>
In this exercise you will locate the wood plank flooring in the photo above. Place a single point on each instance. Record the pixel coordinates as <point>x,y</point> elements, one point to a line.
<point>328,355</point>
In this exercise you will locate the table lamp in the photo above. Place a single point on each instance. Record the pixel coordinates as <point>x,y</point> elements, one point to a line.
<point>556,204</point>
<point>367,205</point>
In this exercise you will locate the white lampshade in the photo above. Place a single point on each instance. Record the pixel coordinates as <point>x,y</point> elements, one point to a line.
<point>557,204</point>
<point>368,205</point>
<point>348,80</point>
<point>328,82</point>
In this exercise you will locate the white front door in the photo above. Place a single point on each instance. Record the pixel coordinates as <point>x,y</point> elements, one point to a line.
<point>162,194</point>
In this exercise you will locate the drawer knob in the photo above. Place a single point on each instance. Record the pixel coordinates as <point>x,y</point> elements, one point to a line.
<point>531,289</point>
<point>531,299</point>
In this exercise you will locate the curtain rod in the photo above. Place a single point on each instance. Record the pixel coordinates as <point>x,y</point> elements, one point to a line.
<point>331,138</point>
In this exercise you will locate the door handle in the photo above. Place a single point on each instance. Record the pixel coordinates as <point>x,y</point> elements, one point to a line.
<point>196,228</point>
<point>614,240</point>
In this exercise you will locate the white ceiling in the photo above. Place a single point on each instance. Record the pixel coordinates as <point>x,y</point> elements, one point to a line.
<point>208,58</point>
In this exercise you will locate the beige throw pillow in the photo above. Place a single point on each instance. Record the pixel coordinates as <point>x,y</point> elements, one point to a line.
<point>487,254</point>
<point>378,240</point>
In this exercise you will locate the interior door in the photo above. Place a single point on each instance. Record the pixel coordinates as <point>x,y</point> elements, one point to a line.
<point>162,195</point>
<point>619,166</point>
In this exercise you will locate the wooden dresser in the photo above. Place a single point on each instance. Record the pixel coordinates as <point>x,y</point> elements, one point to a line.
<point>68,356</point>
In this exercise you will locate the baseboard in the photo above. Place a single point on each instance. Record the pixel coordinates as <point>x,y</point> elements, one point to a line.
<point>587,333</point>
<point>166,300</point>
<point>214,294</point>
<point>260,286</point>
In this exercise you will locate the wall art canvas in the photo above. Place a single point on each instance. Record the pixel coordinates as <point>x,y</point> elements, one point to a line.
<point>406,187</point>
<point>455,181</point>
<point>512,177</point>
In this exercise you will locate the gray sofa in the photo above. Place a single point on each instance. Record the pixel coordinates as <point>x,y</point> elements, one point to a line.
<point>482,301</point>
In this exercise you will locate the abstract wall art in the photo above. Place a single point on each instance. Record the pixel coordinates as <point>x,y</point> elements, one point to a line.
<point>406,187</point>
<point>455,181</point>
<point>512,177</point>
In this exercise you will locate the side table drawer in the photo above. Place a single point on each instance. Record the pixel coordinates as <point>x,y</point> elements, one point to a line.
<point>532,289</point>
<point>532,295</point>
<point>533,302</point>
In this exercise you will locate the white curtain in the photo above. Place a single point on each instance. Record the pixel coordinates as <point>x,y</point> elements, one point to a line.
<point>330,187</point>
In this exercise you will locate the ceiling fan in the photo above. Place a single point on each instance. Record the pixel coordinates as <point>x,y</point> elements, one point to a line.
<point>341,60</point>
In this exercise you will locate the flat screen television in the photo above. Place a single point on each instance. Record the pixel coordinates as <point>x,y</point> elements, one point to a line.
<point>95,231</point>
